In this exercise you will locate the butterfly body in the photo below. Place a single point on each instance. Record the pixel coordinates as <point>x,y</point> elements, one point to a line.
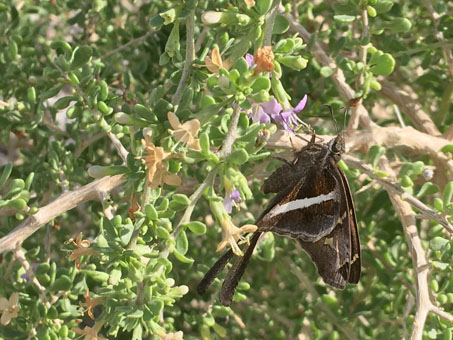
<point>313,204</point>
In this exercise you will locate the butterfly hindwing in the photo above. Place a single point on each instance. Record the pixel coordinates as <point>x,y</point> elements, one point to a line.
<point>332,253</point>
<point>356,265</point>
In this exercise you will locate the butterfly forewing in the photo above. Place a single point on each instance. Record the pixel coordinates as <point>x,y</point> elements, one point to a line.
<point>310,209</point>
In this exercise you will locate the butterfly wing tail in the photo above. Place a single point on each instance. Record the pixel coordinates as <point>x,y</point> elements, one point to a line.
<point>213,272</point>
<point>236,272</point>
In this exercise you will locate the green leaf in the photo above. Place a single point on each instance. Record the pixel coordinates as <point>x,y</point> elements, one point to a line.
<point>261,83</point>
<point>81,56</point>
<point>96,275</point>
<point>181,199</point>
<point>428,188</point>
<point>156,307</point>
<point>438,243</point>
<point>180,257</point>
<point>151,212</point>
<point>438,204</point>
<point>182,244</point>
<point>326,71</point>
<point>162,233</point>
<point>383,6</point>
<point>263,6</point>
<point>281,24</point>
<point>64,102</point>
<point>239,156</point>
<point>375,153</point>
<point>126,234</point>
<point>447,149</point>
<point>6,173</point>
<point>383,64</point>
<point>447,193</point>
<point>440,265</point>
<point>399,25</point>
<point>344,18</point>
<point>196,227</point>
<point>63,283</point>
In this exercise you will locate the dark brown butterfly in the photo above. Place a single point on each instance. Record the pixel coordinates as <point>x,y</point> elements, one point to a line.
<point>313,204</point>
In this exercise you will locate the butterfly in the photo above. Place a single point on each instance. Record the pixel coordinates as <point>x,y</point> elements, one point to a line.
<point>313,204</point>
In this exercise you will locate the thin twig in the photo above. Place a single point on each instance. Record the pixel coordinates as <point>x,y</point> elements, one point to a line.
<point>118,146</point>
<point>419,260</point>
<point>231,135</point>
<point>190,55</point>
<point>20,256</point>
<point>85,142</point>
<point>128,44</point>
<point>201,37</point>
<point>270,19</point>
<point>407,101</point>
<point>396,189</point>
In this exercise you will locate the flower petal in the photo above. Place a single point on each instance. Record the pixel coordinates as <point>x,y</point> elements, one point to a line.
<point>301,104</point>
<point>6,318</point>
<point>172,179</point>
<point>271,107</point>
<point>248,228</point>
<point>258,115</point>
<point>14,299</point>
<point>173,120</point>
<point>4,304</point>
<point>192,126</point>
<point>250,60</point>
<point>194,144</point>
<point>216,58</point>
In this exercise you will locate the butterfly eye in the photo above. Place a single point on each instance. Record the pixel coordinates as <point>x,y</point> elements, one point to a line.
<point>334,146</point>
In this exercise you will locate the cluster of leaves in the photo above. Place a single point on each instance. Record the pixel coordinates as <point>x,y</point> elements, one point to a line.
<point>65,99</point>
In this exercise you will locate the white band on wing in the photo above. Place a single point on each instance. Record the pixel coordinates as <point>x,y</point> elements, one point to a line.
<point>299,204</point>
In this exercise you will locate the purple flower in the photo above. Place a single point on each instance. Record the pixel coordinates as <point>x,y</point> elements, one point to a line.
<point>289,118</point>
<point>27,277</point>
<point>231,198</point>
<point>250,59</point>
<point>261,113</point>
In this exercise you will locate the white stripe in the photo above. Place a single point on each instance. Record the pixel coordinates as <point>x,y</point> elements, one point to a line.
<point>299,204</point>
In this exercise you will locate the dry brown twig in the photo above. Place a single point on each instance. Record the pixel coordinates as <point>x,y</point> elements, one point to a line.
<point>61,204</point>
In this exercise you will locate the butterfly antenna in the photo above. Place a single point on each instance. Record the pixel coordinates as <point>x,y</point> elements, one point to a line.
<point>333,117</point>
<point>346,113</point>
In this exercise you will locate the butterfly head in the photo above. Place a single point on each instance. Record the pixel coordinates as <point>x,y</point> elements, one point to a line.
<point>337,146</point>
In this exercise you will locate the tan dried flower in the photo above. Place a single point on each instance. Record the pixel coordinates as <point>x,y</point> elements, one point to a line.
<point>9,308</point>
<point>90,303</point>
<point>215,62</point>
<point>186,132</point>
<point>91,333</point>
<point>157,173</point>
<point>231,234</point>
<point>83,249</point>
<point>264,60</point>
